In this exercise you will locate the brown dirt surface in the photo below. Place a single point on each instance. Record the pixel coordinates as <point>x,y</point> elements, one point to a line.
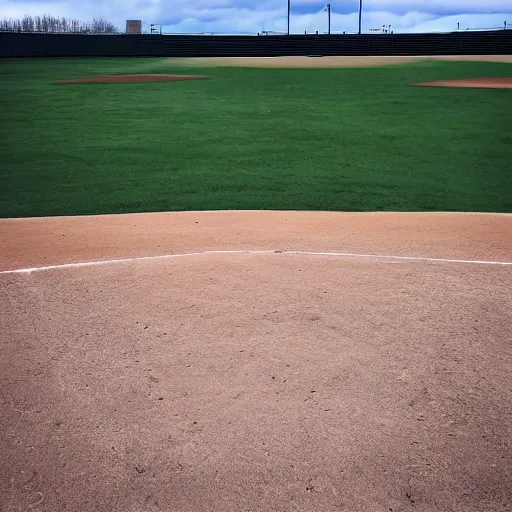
<point>332,61</point>
<point>481,83</point>
<point>51,240</point>
<point>111,79</point>
<point>256,381</point>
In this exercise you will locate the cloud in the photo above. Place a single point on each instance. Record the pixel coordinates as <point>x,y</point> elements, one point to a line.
<point>439,8</point>
<point>467,21</point>
<point>251,16</point>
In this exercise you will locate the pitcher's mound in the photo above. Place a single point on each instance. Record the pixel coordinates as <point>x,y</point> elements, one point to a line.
<point>132,78</point>
<point>482,83</point>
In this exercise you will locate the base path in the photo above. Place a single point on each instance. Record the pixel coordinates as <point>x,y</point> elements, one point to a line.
<point>263,380</point>
<point>346,61</point>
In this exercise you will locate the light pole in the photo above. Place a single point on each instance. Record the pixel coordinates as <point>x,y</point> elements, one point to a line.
<point>329,14</point>
<point>288,17</point>
<point>360,14</point>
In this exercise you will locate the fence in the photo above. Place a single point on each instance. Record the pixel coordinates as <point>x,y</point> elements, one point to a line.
<point>77,45</point>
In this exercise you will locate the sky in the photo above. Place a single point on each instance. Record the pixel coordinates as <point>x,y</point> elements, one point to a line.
<point>252,16</point>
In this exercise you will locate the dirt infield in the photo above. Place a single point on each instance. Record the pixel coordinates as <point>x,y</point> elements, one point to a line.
<point>110,79</point>
<point>51,240</point>
<point>332,61</point>
<point>479,83</point>
<point>363,380</point>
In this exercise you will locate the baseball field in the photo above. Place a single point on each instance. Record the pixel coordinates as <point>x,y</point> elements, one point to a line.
<point>256,284</point>
<point>353,139</point>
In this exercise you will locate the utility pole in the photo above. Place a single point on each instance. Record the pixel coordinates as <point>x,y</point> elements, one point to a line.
<point>289,16</point>
<point>329,14</point>
<point>360,14</point>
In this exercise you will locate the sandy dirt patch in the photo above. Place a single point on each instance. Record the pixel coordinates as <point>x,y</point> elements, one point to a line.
<point>110,79</point>
<point>51,240</point>
<point>479,83</point>
<point>332,61</point>
<point>269,381</point>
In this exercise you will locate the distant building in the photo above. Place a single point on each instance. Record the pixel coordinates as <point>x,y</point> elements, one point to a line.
<point>133,26</point>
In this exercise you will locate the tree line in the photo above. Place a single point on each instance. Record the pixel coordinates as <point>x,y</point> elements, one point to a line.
<point>52,24</point>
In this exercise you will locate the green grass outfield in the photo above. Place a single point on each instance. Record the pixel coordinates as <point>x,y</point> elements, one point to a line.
<point>298,139</point>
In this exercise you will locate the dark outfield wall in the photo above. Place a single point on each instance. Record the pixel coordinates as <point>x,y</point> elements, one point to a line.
<point>71,45</point>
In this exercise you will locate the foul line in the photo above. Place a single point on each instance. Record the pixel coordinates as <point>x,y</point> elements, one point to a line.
<point>299,253</point>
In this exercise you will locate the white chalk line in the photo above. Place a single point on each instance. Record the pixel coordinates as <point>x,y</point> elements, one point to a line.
<point>378,257</point>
